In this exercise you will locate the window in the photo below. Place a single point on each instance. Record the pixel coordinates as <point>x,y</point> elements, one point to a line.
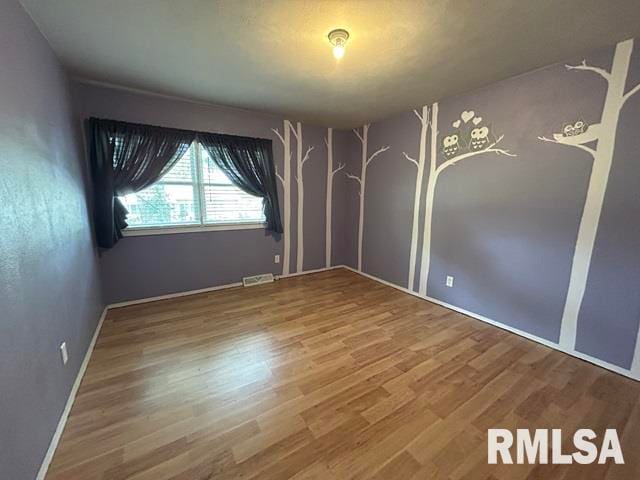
<point>195,192</point>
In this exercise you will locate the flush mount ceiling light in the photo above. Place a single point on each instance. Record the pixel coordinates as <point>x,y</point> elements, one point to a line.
<point>338,38</point>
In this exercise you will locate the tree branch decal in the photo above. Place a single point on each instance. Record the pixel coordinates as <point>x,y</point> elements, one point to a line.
<point>356,178</point>
<point>306,155</point>
<point>630,93</point>
<point>277,132</point>
<point>577,135</point>
<point>293,130</point>
<point>355,130</point>
<point>583,66</point>
<point>340,167</point>
<point>279,177</point>
<point>420,117</point>
<point>412,160</point>
<point>464,156</point>
<point>589,150</point>
<point>376,153</point>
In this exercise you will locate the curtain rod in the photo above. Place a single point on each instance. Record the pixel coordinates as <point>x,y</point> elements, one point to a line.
<point>171,129</point>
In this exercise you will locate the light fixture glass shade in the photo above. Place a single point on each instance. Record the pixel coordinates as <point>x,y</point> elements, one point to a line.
<point>338,38</point>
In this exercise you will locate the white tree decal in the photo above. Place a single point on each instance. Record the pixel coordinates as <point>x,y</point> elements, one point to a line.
<point>578,135</point>
<point>330,174</point>
<point>424,121</point>
<point>300,161</point>
<point>362,181</point>
<point>456,148</point>
<point>285,180</point>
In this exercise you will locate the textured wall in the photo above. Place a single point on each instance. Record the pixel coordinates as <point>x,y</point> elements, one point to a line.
<point>139,267</point>
<point>49,282</point>
<point>506,227</point>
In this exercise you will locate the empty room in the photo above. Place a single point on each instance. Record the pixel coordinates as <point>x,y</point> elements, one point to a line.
<point>319,239</point>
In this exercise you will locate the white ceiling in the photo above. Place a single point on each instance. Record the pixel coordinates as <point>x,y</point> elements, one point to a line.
<point>274,55</point>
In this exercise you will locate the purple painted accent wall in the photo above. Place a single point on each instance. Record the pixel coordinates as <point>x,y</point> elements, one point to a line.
<point>506,227</point>
<point>49,281</point>
<point>608,322</point>
<point>141,267</point>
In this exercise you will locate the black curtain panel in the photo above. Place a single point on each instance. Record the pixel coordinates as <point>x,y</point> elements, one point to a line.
<point>126,158</point>
<point>248,163</point>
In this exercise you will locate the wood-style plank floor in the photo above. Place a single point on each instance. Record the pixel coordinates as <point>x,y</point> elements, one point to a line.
<point>326,376</point>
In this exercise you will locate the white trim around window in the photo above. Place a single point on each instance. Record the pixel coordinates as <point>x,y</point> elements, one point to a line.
<point>168,230</point>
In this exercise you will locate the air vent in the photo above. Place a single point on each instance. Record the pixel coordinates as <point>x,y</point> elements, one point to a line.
<point>257,279</point>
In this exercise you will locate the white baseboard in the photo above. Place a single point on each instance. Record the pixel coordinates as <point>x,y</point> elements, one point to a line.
<point>172,295</point>
<point>72,396</point>
<point>306,272</point>
<point>632,373</point>
<point>208,289</point>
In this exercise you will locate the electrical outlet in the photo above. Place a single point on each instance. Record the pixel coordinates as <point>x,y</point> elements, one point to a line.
<point>449,281</point>
<point>64,353</point>
<point>276,259</point>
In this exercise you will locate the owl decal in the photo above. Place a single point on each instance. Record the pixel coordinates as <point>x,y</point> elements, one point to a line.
<point>573,129</point>
<point>479,138</point>
<point>471,134</point>
<point>451,145</point>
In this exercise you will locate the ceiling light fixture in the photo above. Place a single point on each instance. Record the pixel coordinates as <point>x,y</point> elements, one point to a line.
<point>338,38</point>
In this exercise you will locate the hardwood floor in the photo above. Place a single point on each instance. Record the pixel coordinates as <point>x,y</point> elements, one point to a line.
<point>326,376</point>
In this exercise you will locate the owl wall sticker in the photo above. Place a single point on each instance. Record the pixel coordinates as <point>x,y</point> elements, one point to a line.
<point>479,138</point>
<point>470,135</point>
<point>577,133</point>
<point>572,129</point>
<point>452,145</point>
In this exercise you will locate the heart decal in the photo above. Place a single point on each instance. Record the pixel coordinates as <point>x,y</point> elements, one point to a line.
<point>466,116</point>
<point>477,120</point>
<point>456,124</point>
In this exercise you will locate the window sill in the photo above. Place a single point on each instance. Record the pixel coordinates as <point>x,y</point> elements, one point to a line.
<point>144,231</point>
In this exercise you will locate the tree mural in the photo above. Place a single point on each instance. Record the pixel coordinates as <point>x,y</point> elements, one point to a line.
<point>285,138</point>
<point>470,138</point>
<point>330,174</point>
<point>362,181</point>
<point>422,153</point>
<point>285,180</point>
<point>300,161</point>
<point>579,135</point>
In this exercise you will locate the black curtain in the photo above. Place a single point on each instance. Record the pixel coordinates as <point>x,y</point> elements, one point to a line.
<point>248,163</point>
<point>126,158</point>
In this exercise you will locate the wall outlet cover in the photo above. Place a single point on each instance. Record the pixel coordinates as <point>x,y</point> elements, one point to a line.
<point>276,259</point>
<point>449,281</point>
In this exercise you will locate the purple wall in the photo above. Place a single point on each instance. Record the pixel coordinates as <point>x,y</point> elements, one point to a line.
<point>506,227</point>
<point>49,282</point>
<point>146,266</point>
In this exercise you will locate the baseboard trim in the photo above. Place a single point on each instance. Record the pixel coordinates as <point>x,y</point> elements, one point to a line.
<point>209,289</point>
<point>172,295</point>
<point>44,467</point>
<point>306,272</point>
<point>632,373</point>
